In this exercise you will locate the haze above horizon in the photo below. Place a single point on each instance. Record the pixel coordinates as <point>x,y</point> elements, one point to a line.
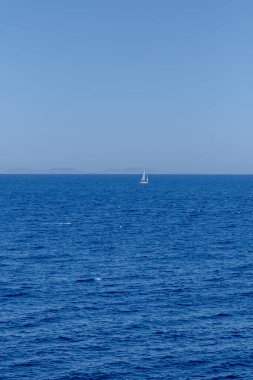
<point>98,84</point>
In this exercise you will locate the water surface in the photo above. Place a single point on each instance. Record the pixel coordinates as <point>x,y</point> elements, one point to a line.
<point>103,278</point>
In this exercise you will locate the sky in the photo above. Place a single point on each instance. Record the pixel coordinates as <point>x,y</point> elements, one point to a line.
<point>102,85</point>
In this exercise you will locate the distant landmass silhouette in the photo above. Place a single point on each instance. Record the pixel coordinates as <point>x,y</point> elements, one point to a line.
<point>71,170</point>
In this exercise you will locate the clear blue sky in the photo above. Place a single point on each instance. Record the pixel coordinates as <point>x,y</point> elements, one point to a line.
<point>98,84</point>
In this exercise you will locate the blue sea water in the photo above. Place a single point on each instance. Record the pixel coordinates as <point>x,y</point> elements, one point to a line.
<point>103,278</point>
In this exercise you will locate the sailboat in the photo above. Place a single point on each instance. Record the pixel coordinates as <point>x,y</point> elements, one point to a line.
<point>144,178</point>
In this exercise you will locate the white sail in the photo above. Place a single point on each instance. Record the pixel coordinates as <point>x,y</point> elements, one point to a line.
<point>144,178</point>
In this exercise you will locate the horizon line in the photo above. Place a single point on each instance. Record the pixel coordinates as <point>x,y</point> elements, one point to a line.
<point>35,173</point>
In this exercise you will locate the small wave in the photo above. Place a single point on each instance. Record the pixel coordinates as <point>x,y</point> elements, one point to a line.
<point>82,376</point>
<point>215,279</point>
<point>67,338</point>
<point>14,295</point>
<point>223,315</point>
<point>91,279</point>
<point>85,280</point>
<point>24,364</point>
<point>224,242</point>
<point>247,294</point>
<point>115,292</point>
<point>29,324</point>
<point>227,377</point>
<point>214,316</point>
<point>38,247</point>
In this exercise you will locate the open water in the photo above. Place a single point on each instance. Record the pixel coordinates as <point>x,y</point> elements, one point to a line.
<point>103,278</point>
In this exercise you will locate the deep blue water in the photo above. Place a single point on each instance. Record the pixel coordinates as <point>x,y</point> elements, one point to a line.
<point>103,278</point>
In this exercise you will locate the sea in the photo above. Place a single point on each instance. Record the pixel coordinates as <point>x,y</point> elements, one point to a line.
<point>104,278</point>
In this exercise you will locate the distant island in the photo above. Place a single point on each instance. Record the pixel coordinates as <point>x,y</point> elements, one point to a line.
<point>71,170</point>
